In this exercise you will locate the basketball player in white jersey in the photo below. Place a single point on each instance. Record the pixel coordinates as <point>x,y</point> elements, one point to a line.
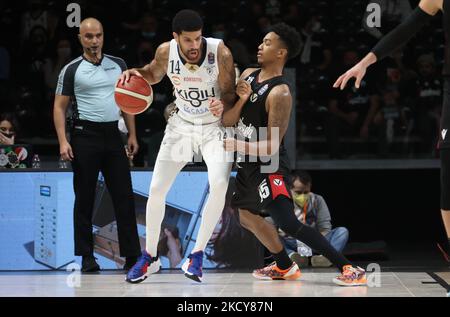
<point>203,75</point>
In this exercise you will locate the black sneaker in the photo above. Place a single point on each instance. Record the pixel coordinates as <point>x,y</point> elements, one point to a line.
<point>129,262</point>
<point>89,265</point>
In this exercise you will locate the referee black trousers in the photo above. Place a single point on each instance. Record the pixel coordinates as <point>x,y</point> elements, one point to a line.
<point>98,147</point>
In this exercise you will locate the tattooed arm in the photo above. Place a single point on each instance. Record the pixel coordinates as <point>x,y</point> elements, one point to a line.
<point>226,80</point>
<point>243,90</point>
<point>278,105</point>
<point>227,76</point>
<point>153,72</point>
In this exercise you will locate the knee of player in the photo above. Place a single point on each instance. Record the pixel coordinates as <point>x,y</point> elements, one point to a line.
<point>157,190</point>
<point>219,184</point>
<point>245,221</point>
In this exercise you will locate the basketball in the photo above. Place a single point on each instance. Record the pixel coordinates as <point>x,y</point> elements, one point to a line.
<point>134,96</point>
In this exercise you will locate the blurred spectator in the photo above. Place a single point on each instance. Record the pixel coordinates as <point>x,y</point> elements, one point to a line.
<point>35,50</point>
<point>52,66</point>
<point>428,97</point>
<point>273,10</point>
<point>5,64</point>
<point>144,53</point>
<point>219,31</point>
<point>239,50</point>
<point>5,69</point>
<point>316,50</point>
<point>144,29</point>
<point>33,60</point>
<point>392,13</point>
<point>352,111</point>
<point>8,128</point>
<point>37,16</point>
<point>292,15</point>
<point>391,119</point>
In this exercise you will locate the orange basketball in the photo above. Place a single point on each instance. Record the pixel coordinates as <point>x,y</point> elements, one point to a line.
<point>134,96</point>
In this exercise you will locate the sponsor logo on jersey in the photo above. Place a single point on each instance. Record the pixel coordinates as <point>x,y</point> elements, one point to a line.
<point>195,111</point>
<point>195,96</point>
<point>192,79</point>
<point>250,79</point>
<point>444,134</point>
<point>210,70</point>
<point>263,89</point>
<point>244,130</point>
<point>254,98</point>
<point>110,68</point>
<point>176,80</point>
<point>277,182</point>
<point>211,58</point>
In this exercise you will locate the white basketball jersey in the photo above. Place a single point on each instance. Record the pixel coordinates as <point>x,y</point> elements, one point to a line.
<point>193,84</point>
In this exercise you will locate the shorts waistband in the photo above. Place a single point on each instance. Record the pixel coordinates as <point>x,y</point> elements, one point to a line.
<point>92,124</point>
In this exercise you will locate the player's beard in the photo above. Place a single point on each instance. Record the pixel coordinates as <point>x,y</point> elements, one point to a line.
<point>192,58</point>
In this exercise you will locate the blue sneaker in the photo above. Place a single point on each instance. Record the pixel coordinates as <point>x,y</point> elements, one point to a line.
<point>144,266</point>
<point>193,266</point>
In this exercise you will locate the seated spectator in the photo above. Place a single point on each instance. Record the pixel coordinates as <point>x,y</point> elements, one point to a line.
<point>8,128</point>
<point>312,210</point>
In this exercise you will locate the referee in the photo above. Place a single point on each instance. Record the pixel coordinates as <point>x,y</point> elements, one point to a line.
<point>88,83</point>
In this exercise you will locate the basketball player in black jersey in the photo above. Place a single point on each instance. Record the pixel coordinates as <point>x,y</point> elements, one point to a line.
<point>265,102</point>
<point>390,43</point>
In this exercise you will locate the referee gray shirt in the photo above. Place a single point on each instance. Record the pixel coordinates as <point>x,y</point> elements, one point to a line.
<point>91,87</point>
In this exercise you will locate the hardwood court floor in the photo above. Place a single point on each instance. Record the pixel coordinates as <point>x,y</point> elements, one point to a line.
<point>313,283</point>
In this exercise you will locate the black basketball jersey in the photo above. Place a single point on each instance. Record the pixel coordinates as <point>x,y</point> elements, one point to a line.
<point>446,26</point>
<point>253,123</point>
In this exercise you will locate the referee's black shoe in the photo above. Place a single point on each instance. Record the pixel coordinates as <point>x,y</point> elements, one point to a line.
<point>89,265</point>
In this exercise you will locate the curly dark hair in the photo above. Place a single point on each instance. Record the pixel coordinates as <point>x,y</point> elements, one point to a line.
<point>187,20</point>
<point>289,37</point>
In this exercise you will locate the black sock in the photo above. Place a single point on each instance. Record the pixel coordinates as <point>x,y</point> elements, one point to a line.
<point>316,241</point>
<point>282,259</point>
<point>131,259</point>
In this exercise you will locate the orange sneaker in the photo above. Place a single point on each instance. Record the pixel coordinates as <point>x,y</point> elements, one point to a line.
<point>351,276</point>
<point>272,272</point>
